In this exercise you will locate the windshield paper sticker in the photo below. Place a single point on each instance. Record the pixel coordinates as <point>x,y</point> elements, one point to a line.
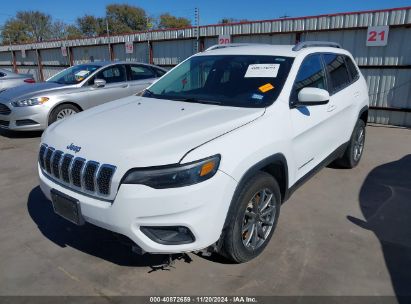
<point>82,73</point>
<point>269,70</point>
<point>267,87</point>
<point>257,96</point>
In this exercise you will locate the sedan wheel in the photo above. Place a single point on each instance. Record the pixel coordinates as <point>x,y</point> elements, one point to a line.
<point>64,113</point>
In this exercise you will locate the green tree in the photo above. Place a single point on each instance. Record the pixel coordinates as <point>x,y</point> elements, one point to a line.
<point>89,25</point>
<point>14,31</point>
<point>170,21</point>
<point>28,26</point>
<point>73,32</point>
<point>123,18</point>
<point>38,24</point>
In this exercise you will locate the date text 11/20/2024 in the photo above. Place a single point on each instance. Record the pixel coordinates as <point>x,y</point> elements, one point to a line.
<point>205,299</point>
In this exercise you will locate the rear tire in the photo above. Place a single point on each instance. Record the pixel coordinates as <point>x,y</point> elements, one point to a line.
<point>252,219</point>
<point>63,111</point>
<point>355,149</point>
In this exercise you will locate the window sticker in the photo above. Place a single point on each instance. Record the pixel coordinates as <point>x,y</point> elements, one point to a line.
<point>269,70</point>
<point>267,87</point>
<point>257,96</point>
<point>82,73</point>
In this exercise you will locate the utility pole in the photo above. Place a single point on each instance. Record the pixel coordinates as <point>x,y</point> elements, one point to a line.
<point>149,50</point>
<point>110,52</point>
<point>197,27</point>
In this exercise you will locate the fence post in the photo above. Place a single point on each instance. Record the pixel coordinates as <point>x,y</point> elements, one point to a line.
<point>40,65</point>
<point>70,55</point>
<point>13,58</point>
<point>150,52</point>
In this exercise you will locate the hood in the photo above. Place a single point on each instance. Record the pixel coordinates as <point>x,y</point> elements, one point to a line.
<point>142,132</point>
<point>28,91</point>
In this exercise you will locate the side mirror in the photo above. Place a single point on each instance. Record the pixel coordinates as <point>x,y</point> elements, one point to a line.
<point>312,97</point>
<point>99,83</point>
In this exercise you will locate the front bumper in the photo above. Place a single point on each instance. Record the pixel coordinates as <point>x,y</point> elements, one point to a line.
<point>37,114</point>
<point>202,208</point>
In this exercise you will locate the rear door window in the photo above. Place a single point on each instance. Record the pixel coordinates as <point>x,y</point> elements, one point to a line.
<point>338,72</point>
<point>139,72</point>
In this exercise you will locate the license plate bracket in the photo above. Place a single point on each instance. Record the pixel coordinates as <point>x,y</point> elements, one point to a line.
<point>67,207</point>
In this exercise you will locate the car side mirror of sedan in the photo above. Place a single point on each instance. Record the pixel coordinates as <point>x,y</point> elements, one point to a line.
<point>312,97</point>
<point>99,83</point>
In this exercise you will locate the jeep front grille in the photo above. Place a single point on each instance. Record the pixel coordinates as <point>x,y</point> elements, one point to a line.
<point>87,176</point>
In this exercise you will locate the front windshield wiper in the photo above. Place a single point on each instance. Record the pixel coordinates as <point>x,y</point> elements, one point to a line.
<point>196,100</point>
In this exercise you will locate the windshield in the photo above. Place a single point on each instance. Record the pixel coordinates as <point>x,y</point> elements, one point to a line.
<point>74,75</point>
<point>229,80</point>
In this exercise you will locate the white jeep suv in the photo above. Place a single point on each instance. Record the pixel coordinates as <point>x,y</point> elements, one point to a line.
<point>207,155</point>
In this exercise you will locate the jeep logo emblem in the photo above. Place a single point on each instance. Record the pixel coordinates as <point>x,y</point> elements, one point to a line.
<point>74,148</point>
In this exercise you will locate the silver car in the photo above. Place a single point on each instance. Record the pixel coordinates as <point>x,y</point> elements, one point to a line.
<point>9,79</point>
<point>27,108</point>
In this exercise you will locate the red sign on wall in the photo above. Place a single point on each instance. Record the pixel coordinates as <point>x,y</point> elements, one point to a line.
<point>224,39</point>
<point>377,35</point>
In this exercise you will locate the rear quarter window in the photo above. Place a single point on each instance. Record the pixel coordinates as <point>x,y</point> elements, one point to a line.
<point>352,69</point>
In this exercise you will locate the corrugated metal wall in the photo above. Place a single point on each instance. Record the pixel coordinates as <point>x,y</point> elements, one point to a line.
<point>140,52</point>
<point>172,52</point>
<point>90,53</point>
<point>53,57</point>
<point>270,39</point>
<point>51,71</point>
<point>387,69</point>
<point>5,59</point>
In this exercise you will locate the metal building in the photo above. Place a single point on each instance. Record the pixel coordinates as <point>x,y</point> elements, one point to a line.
<point>386,68</point>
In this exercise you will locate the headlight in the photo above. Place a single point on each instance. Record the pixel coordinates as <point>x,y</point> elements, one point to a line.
<point>30,102</point>
<point>174,175</point>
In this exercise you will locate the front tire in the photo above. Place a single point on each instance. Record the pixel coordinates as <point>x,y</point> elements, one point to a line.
<point>62,111</point>
<point>355,149</point>
<point>252,219</point>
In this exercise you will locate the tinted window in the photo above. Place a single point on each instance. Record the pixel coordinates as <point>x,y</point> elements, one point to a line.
<point>229,80</point>
<point>138,72</point>
<point>113,74</point>
<point>159,72</point>
<point>351,68</point>
<point>311,74</point>
<point>337,70</point>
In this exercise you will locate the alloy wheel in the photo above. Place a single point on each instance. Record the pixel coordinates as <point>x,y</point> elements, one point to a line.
<point>258,219</point>
<point>359,144</point>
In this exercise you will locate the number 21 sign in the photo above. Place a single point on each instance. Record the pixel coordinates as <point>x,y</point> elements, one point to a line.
<point>377,35</point>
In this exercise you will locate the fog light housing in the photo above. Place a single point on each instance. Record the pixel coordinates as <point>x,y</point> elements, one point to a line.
<point>169,235</point>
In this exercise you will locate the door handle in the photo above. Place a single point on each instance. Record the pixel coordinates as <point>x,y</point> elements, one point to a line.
<point>124,86</point>
<point>331,108</point>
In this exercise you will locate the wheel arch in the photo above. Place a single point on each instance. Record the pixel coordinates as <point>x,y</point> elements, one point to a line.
<point>276,166</point>
<point>363,115</point>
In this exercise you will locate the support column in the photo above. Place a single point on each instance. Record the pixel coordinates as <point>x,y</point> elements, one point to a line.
<point>13,59</point>
<point>40,65</point>
<point>150,52</point>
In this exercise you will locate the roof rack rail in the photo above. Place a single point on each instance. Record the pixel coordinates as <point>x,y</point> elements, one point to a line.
<point>222,46</point>
<point>306,44</point>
